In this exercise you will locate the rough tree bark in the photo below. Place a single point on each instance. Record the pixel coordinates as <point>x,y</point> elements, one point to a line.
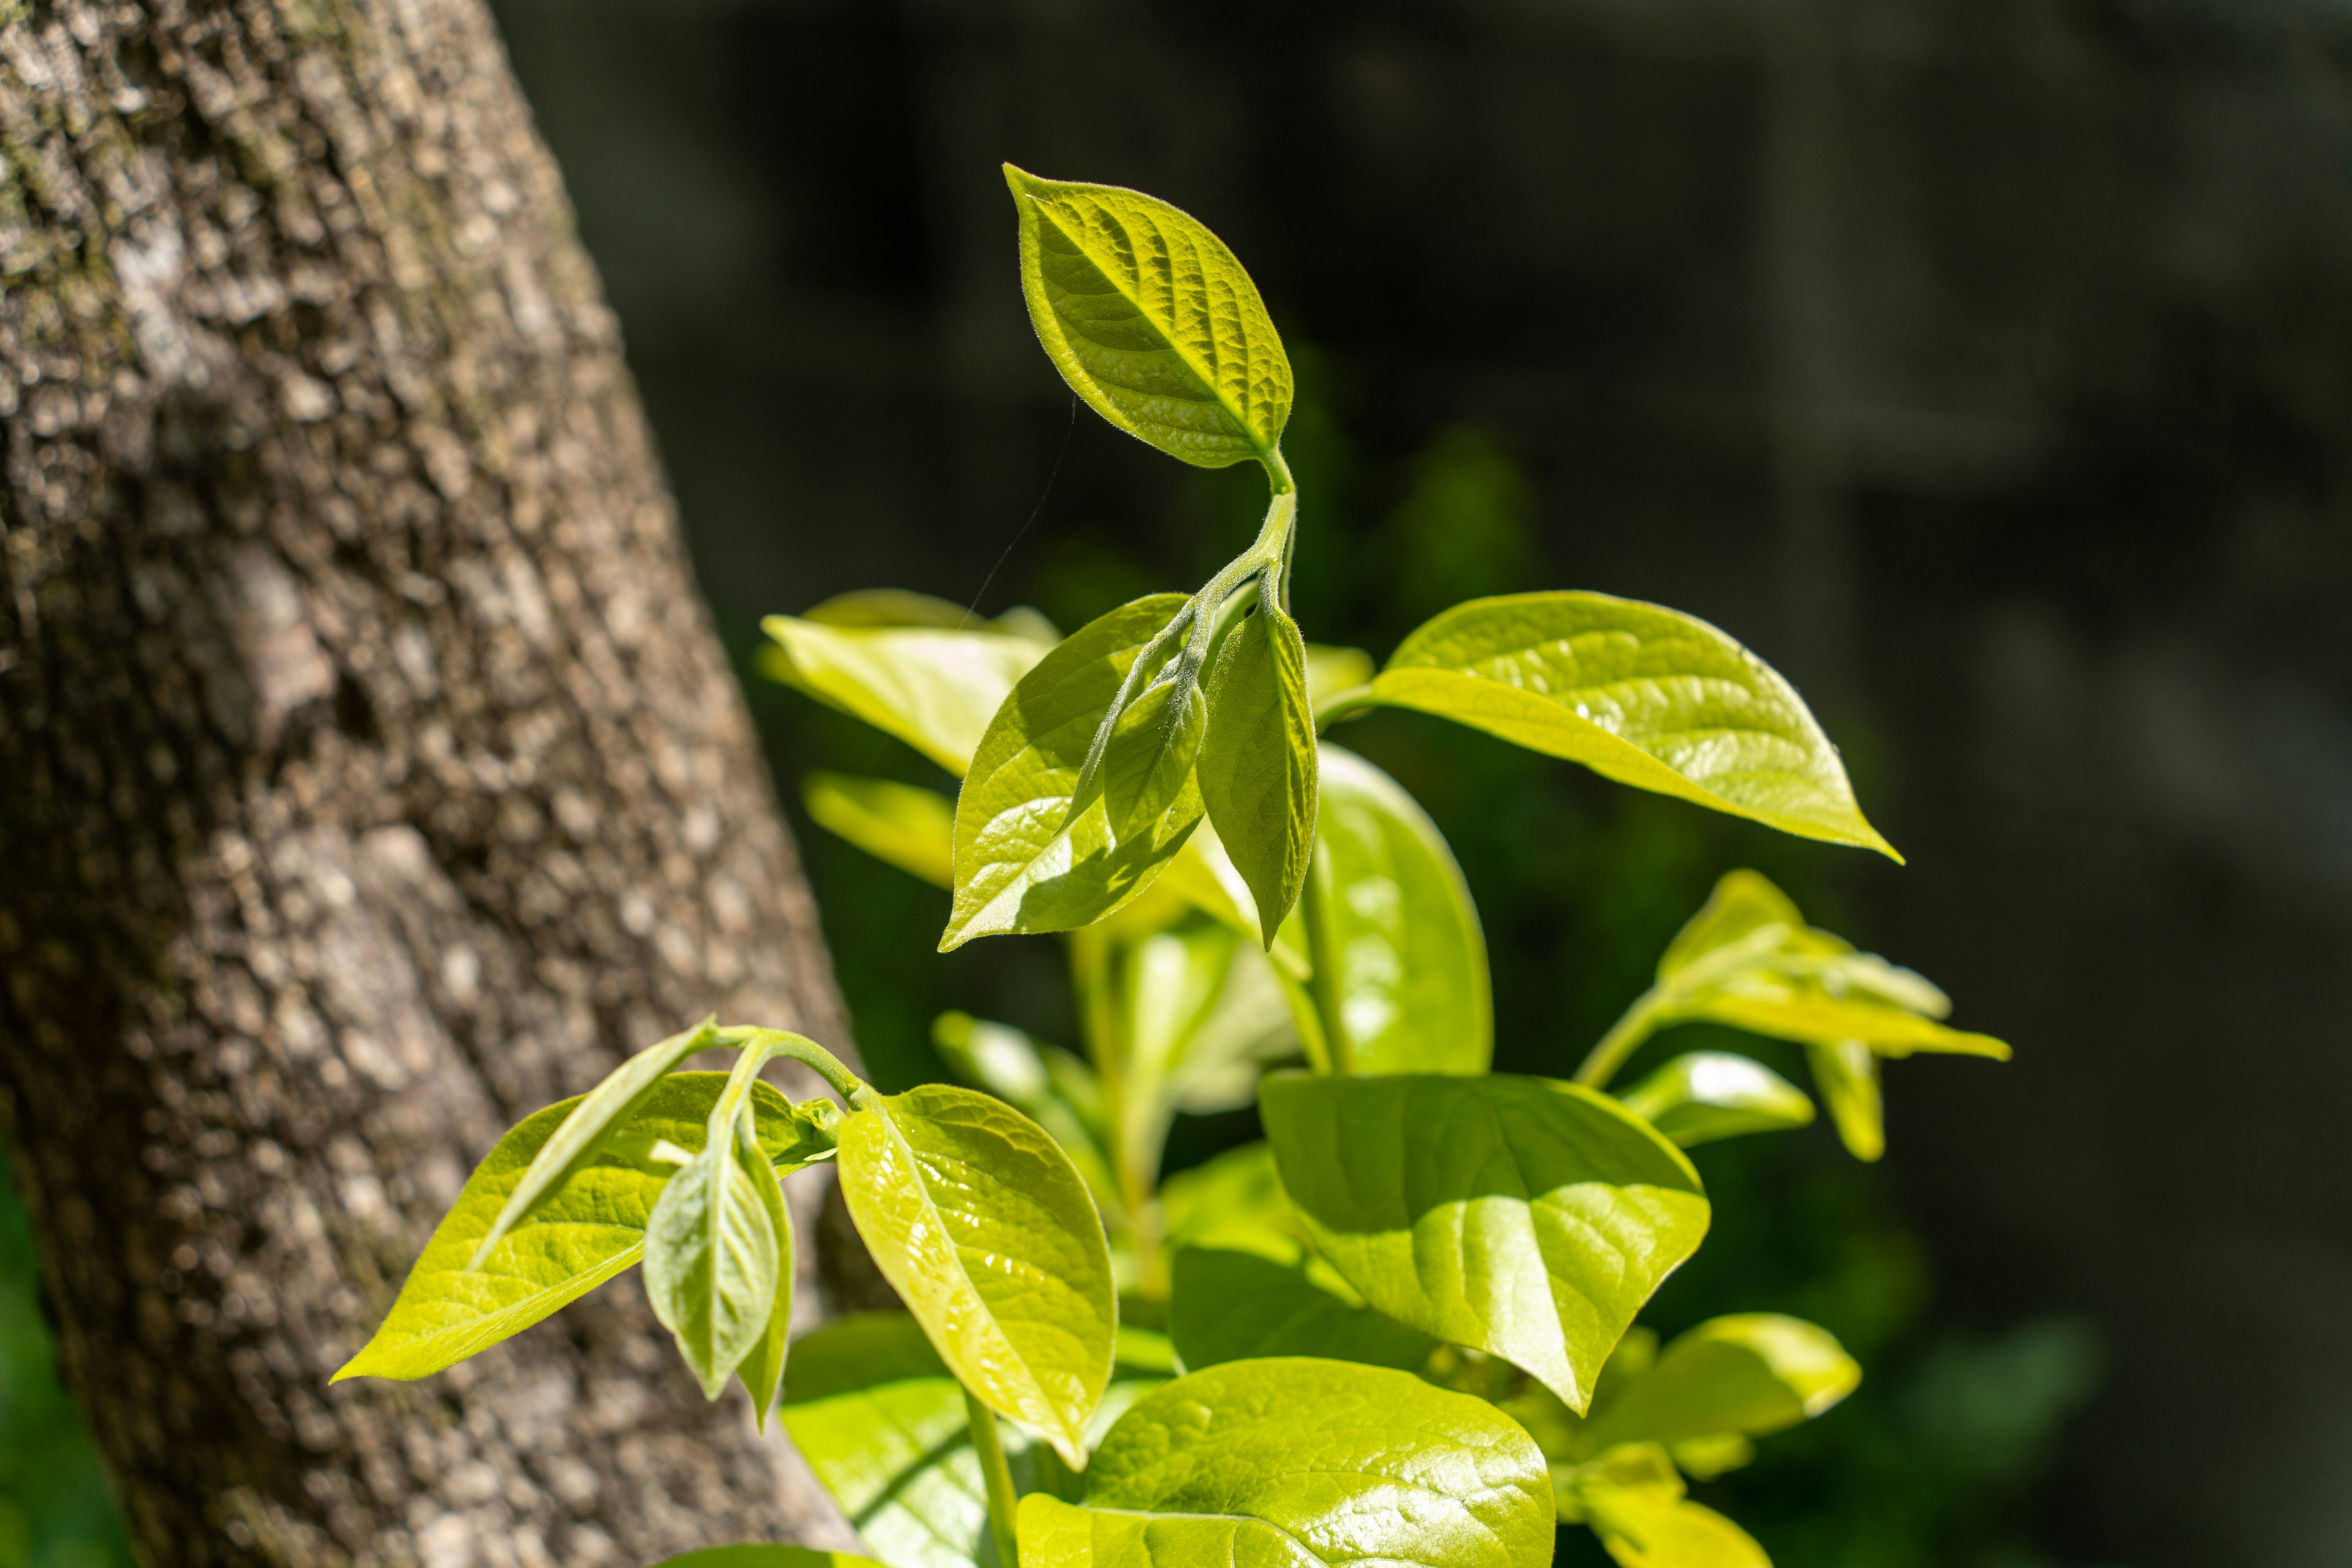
<point>369,776</point>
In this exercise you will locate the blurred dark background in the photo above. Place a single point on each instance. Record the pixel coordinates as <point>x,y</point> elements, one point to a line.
<point>1985,365</point>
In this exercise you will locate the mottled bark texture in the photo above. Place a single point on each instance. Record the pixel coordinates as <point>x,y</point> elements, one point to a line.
<point>369,776</point>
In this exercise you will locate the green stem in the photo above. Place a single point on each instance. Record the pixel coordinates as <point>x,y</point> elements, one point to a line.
<point>1624,1036</point>
<point>1322,953</point>
<point>761,1047</point>
<point>990,1446</point>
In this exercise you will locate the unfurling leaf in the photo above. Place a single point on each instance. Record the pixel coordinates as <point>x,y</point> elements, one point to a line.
<point>1024,861</point>
<point>980,1222</point>
<point>1410,960</point>
<point>1238,1306</point>
<point>910,827</point>
<point>1151,319</point>
<point>582,1234</point>
<point>1632,1499</point>
<point>1147,761</point>
<point>1751,1373</point>
<point>1298,1462</point>
<point>718,1251</point>
<point>1518,1215</point>
<point>1702,1096</point>
<point>933,688</point>
<point>1257,766</point>
<point>1647,696</point>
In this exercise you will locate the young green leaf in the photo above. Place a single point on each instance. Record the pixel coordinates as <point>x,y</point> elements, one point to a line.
<point>584,1231</point>
<point>1702,1096</point>
<point>1233,1202</point>
<point>1521,1217</point>
<point>718,1251</point>
<point>1024,861</point>
<point>1644,695</point>
<point>1238,1306</point>
<point>882,1422</point>
<point>766,1554</point>
<point>1633,1499</point>
<point>1257,764</point>
<point>1302,1462</point>
<point>1846,1074</point>
<point>1049,1086</point>
<point>1752,1373</point>
<point>910,827</point>
<point>1410,958</point>
<point>1149,759</point>
<point>878,609</point>
<point>979,1221</point>
<point>1151,319</point>
<point>1332,670</point>
<point>934,688</point>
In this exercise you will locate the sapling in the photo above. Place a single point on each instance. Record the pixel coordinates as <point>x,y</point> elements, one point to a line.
<point>1401,1327</point>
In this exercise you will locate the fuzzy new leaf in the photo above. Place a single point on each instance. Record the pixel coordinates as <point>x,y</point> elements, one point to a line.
<point>718,1252</point>
<point>1750,1373</point>
<point>1151,319</point>
<point>1521,1217</point>
<point>1258,762</point>
<point>1292,1463</point>
<point>1644,695</point>
<point>1702,1096</point>
<point>980,1222</point>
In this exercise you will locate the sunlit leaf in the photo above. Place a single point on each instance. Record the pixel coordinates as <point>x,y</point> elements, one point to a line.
<point>1235,1306</point>
<point>1752,1373</point>
<point>766,1554</point>
<point>1846,1073</point>
<point>910,827</point>
<point>934,688</point>
<point>873,609</point>
<point>983,1225</point>
<point>1234,1201</point>
<point>586,1230</point>
<point>1644,695</point>
<point>1257,764</point>
<point>1298,1462</point>
<point>1023,861</point>
<point>1151,319</point>
<point>718,1252</point>
<point>1147,763</point>
<point>1331,670</point>
<point>1633,1501</point>
<point>1702,1096</point>
<point>1204,1015</point>
<point>1405,939</point>
<point>1051,1087</point>
<point>1521,1217</point>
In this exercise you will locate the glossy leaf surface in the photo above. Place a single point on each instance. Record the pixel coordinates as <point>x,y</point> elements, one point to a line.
<point>1023,861</point>
<point>934,688</point>
<point>718,1251</point>
<point>983,1225</point>
<point>1295,1462</point>
<point>1522,1216</point>
<point>1235,1306</point>
<point>1632,1499</point>
<point>1048,1085</point>
<point>1258,762</point>
<point>1644,695</point>
<point>1404,936</point>
<point>1151,319</point>
<point>586,1231</point>
<point>903,824</point>
<point>1752,1373</point>
<point>1701,1096</point>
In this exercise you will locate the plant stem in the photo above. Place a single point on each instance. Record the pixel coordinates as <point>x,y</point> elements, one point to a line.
<point>767,1045</point>
<point>1624,1036</point>
<point>987,1443</point>
<point>1324,984</point>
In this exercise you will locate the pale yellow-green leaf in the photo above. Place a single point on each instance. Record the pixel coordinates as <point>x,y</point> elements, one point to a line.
<point>1752,1373</point>
<point>1257,763</point>
<point>1331,670</point>
<point>1846,1074</point>
<point>717,1254</point>
<point>934,688</point>
<point>870,609</point>
<point>1151,319</point>
<point>983,1225</point>
<point>1632,1499</point>
<point>1644,695</point>
<point>907,827</point>
<point>766,1554</point>
<point>1702,1096</point>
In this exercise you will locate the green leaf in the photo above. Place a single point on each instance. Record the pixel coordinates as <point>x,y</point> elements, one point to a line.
<point>1846,1073</point>
<point>1234,1201</point>
<point>1296,1461</point>
<point>766,1554</point>
<point>980,1222</point>
<point>1522,1216</point>
<point>883,1423</point>
<point>1147,761</point>
<point>1238,1306</point>
<point>1024,861</point>
<point>1151,319</point>
<point>910,827</point>
<point>718,1252</point>
<point>1048,1085</point>
<point>1257,764</point>
<point>1633,1501</point>
<point>1403,935</point>
<point>1204,1015</point>
<point>933,688</point>
<point>587,1229</point>
<point>873,609</point>
<point>1331,670</point>
<point>1644,695</point>
<point>1702,1096</point>
<point>1752,1373</point>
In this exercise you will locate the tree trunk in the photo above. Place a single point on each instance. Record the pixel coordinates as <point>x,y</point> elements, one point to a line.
<point>369,777</point>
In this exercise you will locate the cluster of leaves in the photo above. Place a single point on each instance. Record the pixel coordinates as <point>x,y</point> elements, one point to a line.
<point>1402,1326</point>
